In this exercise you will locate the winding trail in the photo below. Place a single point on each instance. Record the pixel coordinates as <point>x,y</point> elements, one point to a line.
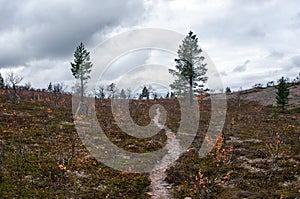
<point>160,188</point>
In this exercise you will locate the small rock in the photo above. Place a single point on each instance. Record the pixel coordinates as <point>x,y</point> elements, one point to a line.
<point>28,177</point>
<point>149,193</point>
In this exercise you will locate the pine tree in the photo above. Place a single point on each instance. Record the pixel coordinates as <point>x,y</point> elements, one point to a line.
<point>282,94</point>
<point>167,96</point>
<point>190,69</point>
<point>155,95</point>
<point>145,93</point>
<point>81,68</point>
<point>112,89</point>
<point>1,81</point>
<point>50,87</point>
<point>172,95</point>
<point>227,90</point>
<point>122,94</point>
<point>128,93</point>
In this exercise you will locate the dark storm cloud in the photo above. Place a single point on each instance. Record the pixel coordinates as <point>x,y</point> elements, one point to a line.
<point>34,30</point>
<point>241,68</point>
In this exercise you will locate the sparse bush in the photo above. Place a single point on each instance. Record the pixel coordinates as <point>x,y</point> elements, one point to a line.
<point>227,90</point>
<point>13,80</point>
<point>258,85</point>
<point>270,83</point>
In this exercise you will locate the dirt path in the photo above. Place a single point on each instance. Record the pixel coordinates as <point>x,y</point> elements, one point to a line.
<point>160,188</point>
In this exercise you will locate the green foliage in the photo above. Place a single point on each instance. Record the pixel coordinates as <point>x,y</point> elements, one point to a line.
<point>81,67</point>
<point>275,113</point>
<point>190,69</point>
<point>282,94</point>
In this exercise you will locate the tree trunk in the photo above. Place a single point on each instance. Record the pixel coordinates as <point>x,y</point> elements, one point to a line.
<point>191,90</point>
<point>81,91</point>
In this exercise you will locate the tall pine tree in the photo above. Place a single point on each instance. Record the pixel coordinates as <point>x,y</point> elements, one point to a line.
<point>81,67</point>
<point>190,69</point>
<point>282,94</point>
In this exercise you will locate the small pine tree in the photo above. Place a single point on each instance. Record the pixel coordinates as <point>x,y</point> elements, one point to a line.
<point>1,81</point>
<point>50,87</point>
<point>155,96</point>
<point>122,94</point>
<point>145,93</point>
<point>282,94</point>
<point>228,90</point>
<point>128,93</point>
<point>112,89</point>
<point>167,96</point>
<point>172,95</point>
<point>58,88</point>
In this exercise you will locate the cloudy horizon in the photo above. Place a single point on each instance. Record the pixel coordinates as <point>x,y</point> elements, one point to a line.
<point>249,41</point>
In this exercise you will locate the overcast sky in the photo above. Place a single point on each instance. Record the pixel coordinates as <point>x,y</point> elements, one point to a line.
<point>249,41</point>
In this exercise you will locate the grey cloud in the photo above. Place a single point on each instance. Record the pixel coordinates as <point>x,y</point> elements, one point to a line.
<point>41,72</point>
<point>256,32</point>
<point>295,21</point>
<point>223,73</point>
<point>276,54</point>
<point>235,30</point>
<point>241,68</point>
<point>32,30</point>
<point>252,3</point>
<point>296,61</point>
<point>125,64</point>
<point>246,22</point>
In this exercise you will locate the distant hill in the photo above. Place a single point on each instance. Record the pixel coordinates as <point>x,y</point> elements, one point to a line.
<point>267,96</point>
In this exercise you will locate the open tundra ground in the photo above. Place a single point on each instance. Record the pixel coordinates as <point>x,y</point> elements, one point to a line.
<point>41,155</point>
